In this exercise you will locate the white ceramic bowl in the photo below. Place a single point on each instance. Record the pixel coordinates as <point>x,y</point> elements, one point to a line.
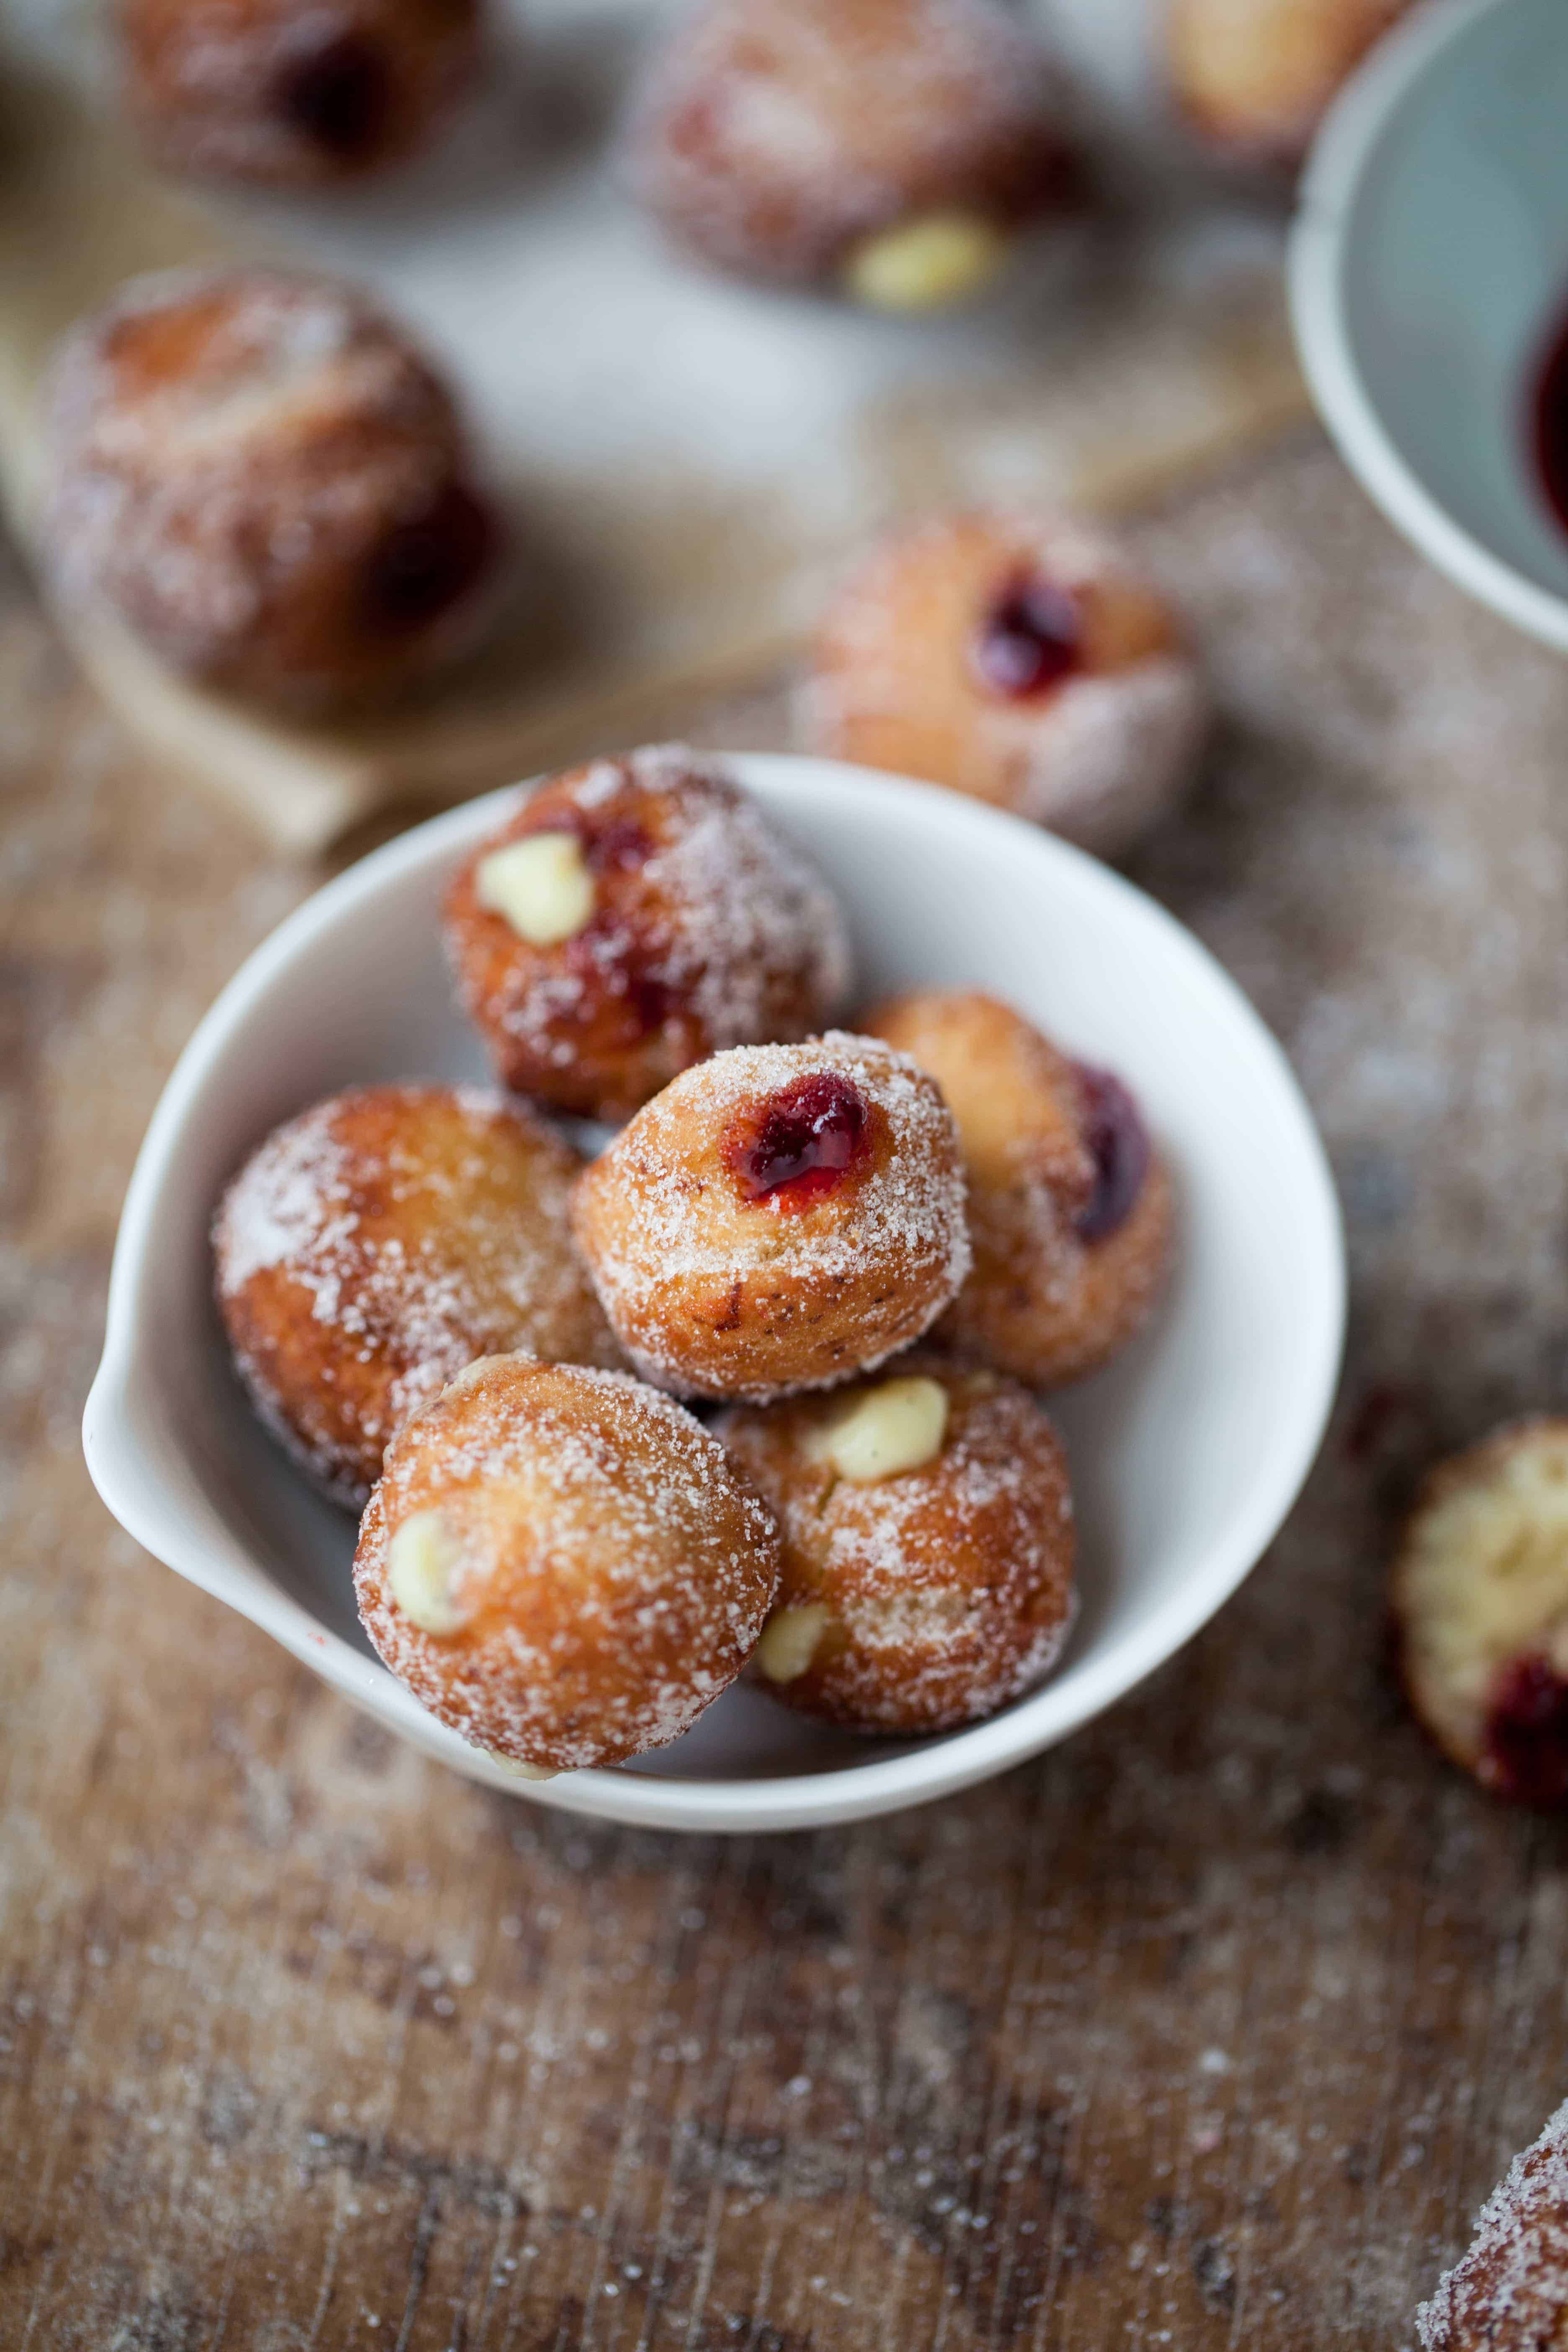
<point>1187,1455</point>
<point>1428,266</point>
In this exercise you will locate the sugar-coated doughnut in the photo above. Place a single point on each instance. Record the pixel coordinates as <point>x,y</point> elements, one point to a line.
<point>293,92</point>
<point>1070,1208</point>
<point>1479,1593</point>
<point>1255,77</point>
<point>375,1245</point>
<point>779,1217</point>
<point>891,148</point>
<point>1019,658</point>
<point>259,474</point>
<point>928,1544</point>
<point>1510,2293</point>
<point>633,916</point>
<point>562,1565</point>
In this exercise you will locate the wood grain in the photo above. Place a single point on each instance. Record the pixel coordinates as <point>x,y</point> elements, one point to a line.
<point>1209,2029</point>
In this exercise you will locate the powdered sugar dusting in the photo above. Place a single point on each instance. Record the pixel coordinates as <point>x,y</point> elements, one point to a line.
<point>912,1201</point>
<point>618,1571</point>
<point>1511,2287</point>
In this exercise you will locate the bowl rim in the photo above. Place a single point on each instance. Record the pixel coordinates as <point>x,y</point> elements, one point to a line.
<point>1318,245</point>
<point>885,1783</point>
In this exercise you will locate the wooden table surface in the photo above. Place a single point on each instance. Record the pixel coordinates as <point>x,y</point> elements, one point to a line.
<point>1210,2028</point>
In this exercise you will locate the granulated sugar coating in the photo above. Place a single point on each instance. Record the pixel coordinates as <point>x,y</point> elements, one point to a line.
<point>772,135</point>
<point>1100,754</point>
<point>266,91</point>
<point>375,1245</point>
<point>1509,2294</point>
<point>267,480</point>
<point>604,1571</point>
<point>717,1291</point>
<point>946,1589</point>
<point>1071,1210</point>
<point>708,929</point>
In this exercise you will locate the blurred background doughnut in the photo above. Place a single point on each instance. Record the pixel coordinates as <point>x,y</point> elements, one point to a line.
<point>263,477</point>
<point>1019,658</point>
<point>890,149</point>
<point>293,92</point>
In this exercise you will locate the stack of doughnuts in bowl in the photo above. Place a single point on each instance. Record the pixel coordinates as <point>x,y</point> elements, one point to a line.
<point>756,1388</point>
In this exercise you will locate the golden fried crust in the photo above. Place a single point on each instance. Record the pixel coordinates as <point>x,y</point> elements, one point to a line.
<point>1509,2294</point>
<point>709,929</point>
<point>1040,1302</point>
<point>947,1589</point>
<point>1477,1589</point>
<point>715,1294</point>
<point>266,481</point>
<point>1046,1307</point>
<point>292,92</point>
<point>609,1571</point>
<point>375,1245</point>
<point>1097,756</point>
<point>1256,75</point>
<point>774,135</point>
<point>1011,1093</point>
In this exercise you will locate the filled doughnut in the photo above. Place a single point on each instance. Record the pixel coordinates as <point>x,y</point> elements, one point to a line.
<point>1510,2293</point>
<point>1479,1593</point>
<point>295,93</point>
<point>1018,657</point>
<point>260,476</point>
<point>562,1565</point>
<point>891,148</point>
<point>926,1569</point>
<point>779,1217</point>
<point>1071,1208</point>
<point>375,1245</point>
<point>633,916</point>
<point>1255,77</point>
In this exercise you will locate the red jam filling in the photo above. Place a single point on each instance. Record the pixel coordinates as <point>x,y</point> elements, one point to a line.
<point>651,1002</point>
<point>1549,425</point>
<point>1526,1736</point>
<point>623,968</point>
<point>1029,640</point>
<point>1118,1141</point>
<point>617,846</point>
<point>337,97</point>
<point>798,1147</point>
<point>424,566</point>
